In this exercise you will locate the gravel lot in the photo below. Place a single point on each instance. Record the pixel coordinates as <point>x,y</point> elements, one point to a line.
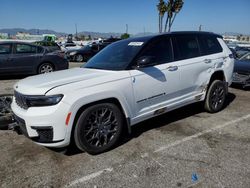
<point>184,148</point>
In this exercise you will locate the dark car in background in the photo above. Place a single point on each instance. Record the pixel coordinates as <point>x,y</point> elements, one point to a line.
<point>26,58</point>
<point>86,52</point>
<point>241,75</point>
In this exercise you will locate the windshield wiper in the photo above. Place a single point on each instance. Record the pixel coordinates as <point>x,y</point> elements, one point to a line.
<point>90,67</point>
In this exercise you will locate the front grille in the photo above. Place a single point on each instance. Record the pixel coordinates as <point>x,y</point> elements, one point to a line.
<point>20,100</point>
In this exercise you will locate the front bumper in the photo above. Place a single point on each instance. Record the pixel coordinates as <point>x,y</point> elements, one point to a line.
<point>44,125</point>
<point>241,79</point>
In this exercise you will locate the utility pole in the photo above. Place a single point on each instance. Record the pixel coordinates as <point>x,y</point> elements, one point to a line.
<point>200,27</point>
<point>144,30</point>
<point>126,28</point>
<point>76,31</point>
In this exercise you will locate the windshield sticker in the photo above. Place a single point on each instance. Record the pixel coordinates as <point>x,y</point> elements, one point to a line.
<point>135,44</point>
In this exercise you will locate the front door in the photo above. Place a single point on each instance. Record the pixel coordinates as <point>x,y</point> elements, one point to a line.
<point>155,86</point>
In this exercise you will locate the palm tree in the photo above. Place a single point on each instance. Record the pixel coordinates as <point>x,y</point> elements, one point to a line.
<point>173,7</point>
<point>161,7</point>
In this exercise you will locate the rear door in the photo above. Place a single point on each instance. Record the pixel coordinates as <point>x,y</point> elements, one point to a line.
<point>25,58</point>
<point>194,67</point>
<point>5,52</point>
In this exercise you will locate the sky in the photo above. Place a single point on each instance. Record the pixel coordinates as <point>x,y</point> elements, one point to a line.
<point>218,16</point>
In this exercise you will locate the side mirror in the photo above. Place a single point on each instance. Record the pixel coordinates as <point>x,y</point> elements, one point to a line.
<point>145,61</point>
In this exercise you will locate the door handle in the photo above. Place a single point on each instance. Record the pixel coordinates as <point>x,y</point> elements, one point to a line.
<point>207,61</point>
<point>172,68</point>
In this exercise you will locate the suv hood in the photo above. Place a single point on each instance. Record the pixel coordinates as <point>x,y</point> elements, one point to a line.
<point>40,84</point>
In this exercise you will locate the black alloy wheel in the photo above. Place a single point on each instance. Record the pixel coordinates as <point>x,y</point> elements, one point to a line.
<point>98,128</point>
<point>216,96</point>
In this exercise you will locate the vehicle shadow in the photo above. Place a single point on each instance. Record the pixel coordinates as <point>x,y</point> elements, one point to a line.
<point>159,121</point>
<point>171,117</point>
<point>12,77</point>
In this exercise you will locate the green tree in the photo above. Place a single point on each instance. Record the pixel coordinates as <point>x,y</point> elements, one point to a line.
<point>161,7</point>
<point>125,36</point>
<point>172,8</point>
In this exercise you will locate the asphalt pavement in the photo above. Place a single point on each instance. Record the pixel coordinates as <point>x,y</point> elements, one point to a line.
<point>184,148</point>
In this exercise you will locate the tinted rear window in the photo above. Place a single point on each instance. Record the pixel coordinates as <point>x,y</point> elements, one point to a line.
<point>25,48</point>
<point>186,47</point>
<point>209,45</point>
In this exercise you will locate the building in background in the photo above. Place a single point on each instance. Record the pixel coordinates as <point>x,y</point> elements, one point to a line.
<point>237,38</point>
<point>27,36</point>
<point>244,38</point>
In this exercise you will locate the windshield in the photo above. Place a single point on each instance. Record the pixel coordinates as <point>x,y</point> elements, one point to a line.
<point>116,56</point>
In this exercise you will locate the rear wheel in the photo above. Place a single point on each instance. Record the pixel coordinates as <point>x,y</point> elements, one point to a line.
<point>79,58</point>
<point>216,96</point>
<point>98,128</point>
<point>45,68</point>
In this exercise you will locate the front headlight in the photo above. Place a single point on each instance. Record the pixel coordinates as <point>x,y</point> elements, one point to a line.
<point>72,53</point>
<point>43,100</point>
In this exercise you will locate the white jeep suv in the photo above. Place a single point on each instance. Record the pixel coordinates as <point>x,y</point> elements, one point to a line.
<point>127,82</point>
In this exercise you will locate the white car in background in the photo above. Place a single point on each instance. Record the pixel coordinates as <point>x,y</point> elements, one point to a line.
<point>127,82</point>
<point>70,46</point>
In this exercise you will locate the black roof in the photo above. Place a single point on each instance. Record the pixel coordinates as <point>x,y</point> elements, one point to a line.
<point>15,42</point>
<point>175,33</point>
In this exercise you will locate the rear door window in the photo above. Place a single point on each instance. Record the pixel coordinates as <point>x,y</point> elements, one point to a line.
<point>209,45</point>
<point>160,49</point>
<point>5,48</point>
<point>186,47</point>
<point>25,48</point>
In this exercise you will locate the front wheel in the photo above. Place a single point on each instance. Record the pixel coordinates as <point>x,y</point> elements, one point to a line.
<point>216,96</point>
<point>98,128</point>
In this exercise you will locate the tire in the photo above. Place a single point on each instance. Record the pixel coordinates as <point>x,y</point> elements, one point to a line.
<point>98,128</point>
<point>216,96</point>
<point>45,68</point>
<point>79,58</point>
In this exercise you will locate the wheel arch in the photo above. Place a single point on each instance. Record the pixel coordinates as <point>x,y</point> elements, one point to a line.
<point>112,100</point>
<point>217,75</point>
